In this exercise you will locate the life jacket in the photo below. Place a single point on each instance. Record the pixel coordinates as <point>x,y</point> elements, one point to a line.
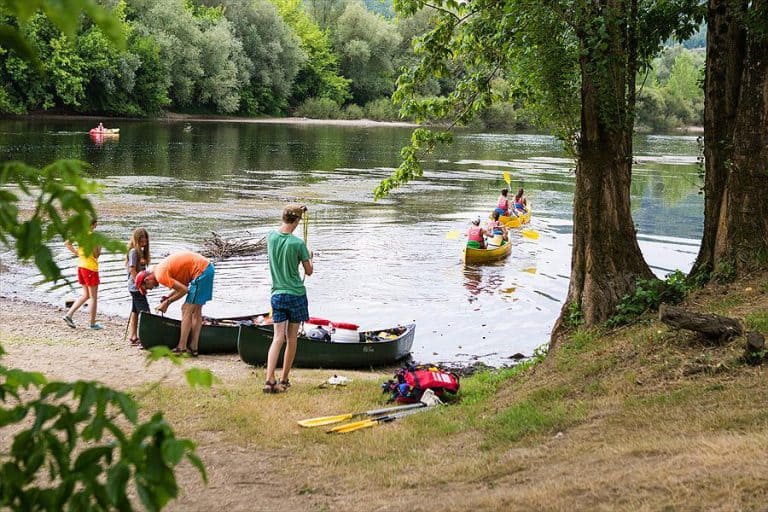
<point>503,203</point>
<point>411,381</point>
<point>474,234</point>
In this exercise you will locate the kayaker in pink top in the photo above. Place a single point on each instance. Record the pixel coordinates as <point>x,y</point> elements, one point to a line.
<point>503,205</point>
<point>476,233</point>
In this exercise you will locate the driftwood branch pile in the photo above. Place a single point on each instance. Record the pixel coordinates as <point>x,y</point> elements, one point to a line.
<point>713,327</point>
<point>219,248</point>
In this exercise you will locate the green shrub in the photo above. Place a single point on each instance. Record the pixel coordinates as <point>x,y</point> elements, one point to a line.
<point>648,296</point>
<point>353,111</point>
<point>724,273</point>
<point>382,109</point>
<point>575,316</point>
<point>319,108</point>
<point>78,445</point>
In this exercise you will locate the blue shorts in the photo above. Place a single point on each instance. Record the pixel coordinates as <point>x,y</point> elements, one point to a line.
<point>501,212</point>
<point>200,289</point>
<point>293,308</point>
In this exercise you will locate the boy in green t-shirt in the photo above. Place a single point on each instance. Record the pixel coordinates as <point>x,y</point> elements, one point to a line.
<point>289,296</point>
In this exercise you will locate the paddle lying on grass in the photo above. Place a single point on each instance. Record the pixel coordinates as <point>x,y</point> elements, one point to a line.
<point>372,422</point>
<point>329,420</point>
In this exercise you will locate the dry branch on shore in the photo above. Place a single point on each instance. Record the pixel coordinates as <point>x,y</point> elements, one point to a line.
<point>711,326</point>
<point>220,248</point>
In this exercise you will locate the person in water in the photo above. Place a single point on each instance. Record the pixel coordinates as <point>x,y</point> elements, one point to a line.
<point>476,235</point>
<point>521,202</point>
<point>186,273</point>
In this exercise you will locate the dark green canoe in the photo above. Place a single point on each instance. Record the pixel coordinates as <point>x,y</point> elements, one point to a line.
<point>218,336</point>
<point>375,348</point>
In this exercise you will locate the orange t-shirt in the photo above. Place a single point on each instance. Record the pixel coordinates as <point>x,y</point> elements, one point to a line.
<point>183,266</point>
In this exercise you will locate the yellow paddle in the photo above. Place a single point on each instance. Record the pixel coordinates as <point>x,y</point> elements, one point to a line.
<point>529,233</point>
<point>358,425</point>
<point>507,178</point>
<point>329,420</point>
<point>453,235</point>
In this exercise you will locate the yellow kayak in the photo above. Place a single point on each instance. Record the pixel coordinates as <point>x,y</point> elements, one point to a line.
<point>472,255</point>
<point>516,222</point>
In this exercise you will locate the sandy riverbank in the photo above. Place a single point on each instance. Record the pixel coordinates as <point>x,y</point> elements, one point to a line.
<point>176,117</point>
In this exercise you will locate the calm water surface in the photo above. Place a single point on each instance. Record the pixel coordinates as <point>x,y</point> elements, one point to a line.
<point>377,263</point>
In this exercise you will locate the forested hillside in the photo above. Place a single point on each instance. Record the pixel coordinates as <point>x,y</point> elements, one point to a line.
<point>313,58</point>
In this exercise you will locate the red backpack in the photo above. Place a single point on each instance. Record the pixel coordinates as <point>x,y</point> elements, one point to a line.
<point>411,382</point>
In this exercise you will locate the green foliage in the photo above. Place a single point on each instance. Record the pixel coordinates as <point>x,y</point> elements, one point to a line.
<point>273,54</point>
<point>671,94</point>
<point>367,45</point>
<point>423,142</point>
<point>61,210</point>
<point>382,109</point>
<point>724,273</point>
<point>319,75</point>
<point>575,316</point>
<point>319,108</point>
<point>648,296</point>
<point>64,15</point>
<point>353,111</point>
<point>85,446</point>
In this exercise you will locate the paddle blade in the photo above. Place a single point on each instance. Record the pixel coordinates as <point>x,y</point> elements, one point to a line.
<point>351,427</point>
<point>507,178</point>
<point>529,233</point>
<point>453,235</point>
<point>325,420</point>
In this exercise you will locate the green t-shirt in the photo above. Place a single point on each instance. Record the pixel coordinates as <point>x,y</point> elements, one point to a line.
<point>285,253</point>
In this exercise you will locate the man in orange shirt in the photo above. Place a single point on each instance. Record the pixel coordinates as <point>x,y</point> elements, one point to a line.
<point>186,273</point>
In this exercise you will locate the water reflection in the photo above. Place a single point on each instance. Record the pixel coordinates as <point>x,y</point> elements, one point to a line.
<point>378,263</point>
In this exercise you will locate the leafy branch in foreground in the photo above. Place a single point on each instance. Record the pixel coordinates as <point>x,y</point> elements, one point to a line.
<point>64,14</point>
<point>59,208</point>
<point>85,445</point>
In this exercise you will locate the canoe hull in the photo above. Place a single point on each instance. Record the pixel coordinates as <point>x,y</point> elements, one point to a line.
<point>156,330</point>
<point>516,222</point>
<point>473,256</point>
<point>254,343</point>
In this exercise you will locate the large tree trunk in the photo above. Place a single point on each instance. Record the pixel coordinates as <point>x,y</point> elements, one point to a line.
<point>735,234</point>
<point>605,260</point>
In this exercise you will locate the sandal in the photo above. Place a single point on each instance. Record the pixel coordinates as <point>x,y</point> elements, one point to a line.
<point>273,387</point>
<point>192,352</point>
<point>285,383</point>
<point>179,351</point>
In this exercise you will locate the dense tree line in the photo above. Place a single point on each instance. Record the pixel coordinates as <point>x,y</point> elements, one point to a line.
<point>315,58</point>
<point>228,56</point>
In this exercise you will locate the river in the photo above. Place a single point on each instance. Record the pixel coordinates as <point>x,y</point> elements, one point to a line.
<point>377,263</point>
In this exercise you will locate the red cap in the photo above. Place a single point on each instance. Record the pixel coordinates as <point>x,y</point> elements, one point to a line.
<point>140,281</point>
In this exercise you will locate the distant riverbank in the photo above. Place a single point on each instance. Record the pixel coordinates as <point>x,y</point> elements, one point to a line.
<point>176,117</point>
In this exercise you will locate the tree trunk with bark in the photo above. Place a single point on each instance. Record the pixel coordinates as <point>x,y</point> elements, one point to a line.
<point>735,238</point>
<point>606,260</point>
